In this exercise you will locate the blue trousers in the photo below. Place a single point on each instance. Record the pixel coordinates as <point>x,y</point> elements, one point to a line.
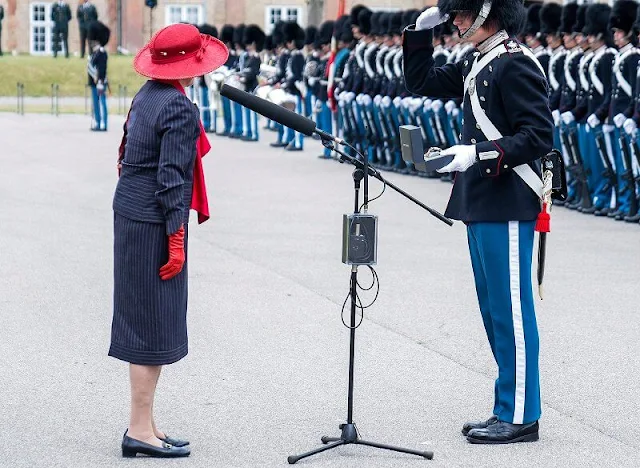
<point>226,109</point>
<point>238,121</point>
<point>100,113</point>
<point>251,124</point>
<point>501,256</point>
<point>323,122</point>
<point>205,111</point>
<point>290,135</point>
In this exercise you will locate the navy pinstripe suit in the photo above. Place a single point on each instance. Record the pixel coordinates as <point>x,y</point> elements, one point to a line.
<point>157,171</point>
<point>152,200</point>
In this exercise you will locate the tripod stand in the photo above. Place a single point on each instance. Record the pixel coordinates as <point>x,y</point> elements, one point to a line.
<point>349,433</point>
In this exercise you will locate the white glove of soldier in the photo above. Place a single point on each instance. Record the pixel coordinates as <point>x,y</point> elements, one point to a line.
<point>430,18</point>
<point>593,121</point>
<point>567,117</point>
<point>426,105</point>
<point>406,101</point>
<point>386,101</point>
<point>436,106</point>
<point>366,100</point>
<point>377,100</point>
<point>455,113</point>
<point>100,87</point>
<point>618,120</point>
<point>313,81</point>
<point>397,101</point>
<point>449,106</point>
<point>464,158</point>
<point>630,126</point>
<point>556,117</point>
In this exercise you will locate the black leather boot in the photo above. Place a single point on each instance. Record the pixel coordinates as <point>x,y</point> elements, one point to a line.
<point>478,424</point>
<point>504,433</point>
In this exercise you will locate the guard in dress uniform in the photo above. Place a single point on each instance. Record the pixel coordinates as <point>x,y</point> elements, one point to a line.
<point>207,114</point>
<point>630,127</point>
<point>311,59</point>
<point>98,36</point>
<point>497,190</point>
<point>237,111</point>
<point>60,15</point>
<point>345,43</point>
<point>226,36</point>
<point>1,18</point>
<point>550,18</point>
<point>623,81</point>
<point>318,82</point>
<point>253,40</point>
<point>278,79</point>
<point>534,39</point>
<point>293,84</point>
<point>600,87</point>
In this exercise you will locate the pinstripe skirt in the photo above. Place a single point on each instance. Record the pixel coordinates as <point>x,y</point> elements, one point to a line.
<point>149,324</point>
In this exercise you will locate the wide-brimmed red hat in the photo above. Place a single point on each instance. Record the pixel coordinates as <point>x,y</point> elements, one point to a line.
<point>178,52</point>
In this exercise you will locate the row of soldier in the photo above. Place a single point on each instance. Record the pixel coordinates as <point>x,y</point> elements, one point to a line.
<point>348,76</point>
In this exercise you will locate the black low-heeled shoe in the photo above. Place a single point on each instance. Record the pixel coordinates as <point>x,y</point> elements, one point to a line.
<point>175,442</point>
<point>132,447</point>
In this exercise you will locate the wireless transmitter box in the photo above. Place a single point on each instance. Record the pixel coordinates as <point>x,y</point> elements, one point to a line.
<point>359,239</point>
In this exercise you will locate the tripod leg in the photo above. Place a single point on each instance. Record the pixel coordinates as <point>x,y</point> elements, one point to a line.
<point>292,459</point>
<point>426,454</point>
<point>327,439</point>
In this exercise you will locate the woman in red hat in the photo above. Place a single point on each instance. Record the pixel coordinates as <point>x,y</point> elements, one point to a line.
<point>161,177</point>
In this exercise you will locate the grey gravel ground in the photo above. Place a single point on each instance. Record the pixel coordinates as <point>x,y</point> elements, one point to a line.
<point>266,373</point>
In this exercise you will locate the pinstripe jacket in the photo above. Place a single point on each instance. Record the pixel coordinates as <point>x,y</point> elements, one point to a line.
<point>156,180</point>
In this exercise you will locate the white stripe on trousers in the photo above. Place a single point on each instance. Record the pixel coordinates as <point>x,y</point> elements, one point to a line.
<point>518,328</point>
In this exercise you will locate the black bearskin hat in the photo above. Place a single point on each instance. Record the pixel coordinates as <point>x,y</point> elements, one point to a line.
<point>253,33</point>
<point>395,24</point>
<point>636,25</point>
<point>508,14</point>
<point>406,18</point>
<point>268,43</point>
<point>324,33</point>
<point>98,31</point>
<point>310,34</point>
<point>355,12</point>
<point>597,19</point>
<point>385,19</point>
<point>345,34</point>
<point>277,36</point>
<point>226,35</point>
<point>364,21</point>
<point>623,15</point>
<point>568,17</point>
<point>293,32</point>
<point>238,34</point>
<point>339,25</point>
<point>532,26</point>
<point>581,18</point>
<point>550,18</point>
<point>208,29</point>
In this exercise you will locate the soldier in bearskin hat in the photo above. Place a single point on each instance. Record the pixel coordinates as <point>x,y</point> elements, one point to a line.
<point>318,82</point>
<point>208,115</point>
<point>253,40</point>
<point>550,17</point>
<point>226,36</point>
<point>311,59</point>
<point>237,111</point>
<point>507,128</point>
<point>534,39</point>
<point>98,36</point>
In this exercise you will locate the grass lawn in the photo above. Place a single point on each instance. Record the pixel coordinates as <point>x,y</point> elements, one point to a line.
<point>38,73</point>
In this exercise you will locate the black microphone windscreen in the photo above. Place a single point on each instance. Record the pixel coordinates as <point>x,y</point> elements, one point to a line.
<point>270,110</point>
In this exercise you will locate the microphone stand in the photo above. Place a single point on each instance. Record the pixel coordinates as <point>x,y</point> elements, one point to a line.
<point>349,432</point>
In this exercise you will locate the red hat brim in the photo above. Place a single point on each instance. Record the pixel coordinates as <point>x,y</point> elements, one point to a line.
<point>214,56</point>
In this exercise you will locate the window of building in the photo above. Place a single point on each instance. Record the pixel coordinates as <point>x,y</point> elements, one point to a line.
<point>275,13</point>
<point>192,14</point>
<point>40,28</point>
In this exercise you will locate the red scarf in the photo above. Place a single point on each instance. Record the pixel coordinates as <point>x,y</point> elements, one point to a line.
<point>199,200</point>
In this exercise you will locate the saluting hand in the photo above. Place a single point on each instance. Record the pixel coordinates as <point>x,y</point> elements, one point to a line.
<point>176,255</point>
<point>430,18</point>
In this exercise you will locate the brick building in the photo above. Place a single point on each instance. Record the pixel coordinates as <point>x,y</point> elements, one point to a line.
<point>27,28</point>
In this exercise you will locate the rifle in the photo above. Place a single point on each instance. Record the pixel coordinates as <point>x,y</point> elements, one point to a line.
<point>609,172</point>
<point>577,170</point>
<point>628,173</point>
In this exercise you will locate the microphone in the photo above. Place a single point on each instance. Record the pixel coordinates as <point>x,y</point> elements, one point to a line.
<point>276,113</point>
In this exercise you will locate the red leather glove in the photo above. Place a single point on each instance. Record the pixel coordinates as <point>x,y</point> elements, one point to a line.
<point>176,255</point>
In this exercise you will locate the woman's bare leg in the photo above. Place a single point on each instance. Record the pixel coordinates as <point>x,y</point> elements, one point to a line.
<point>143,387</point>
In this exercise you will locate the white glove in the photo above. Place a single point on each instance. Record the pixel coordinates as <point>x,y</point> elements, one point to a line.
<point>567,117</point>
<point>397,101</point>
<point>629,126</point>
<point>464,158</point>
<point>386,101</point>
<point>450,106</point>
<point>377,100</point>
<point>593,121</point>
<point>556,117</point>
<point>436,106</point>
<point>100,87</point>
<point>455,113</point>
<point>430,18</point>
<point>415,104</point>
<point>312,81</point>
<point>406,102</point>
<point>618,120</point>
<point>366,100</point>
<point>426,105</point>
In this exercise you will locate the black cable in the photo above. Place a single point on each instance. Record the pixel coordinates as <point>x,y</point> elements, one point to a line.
<point>375,281</point>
